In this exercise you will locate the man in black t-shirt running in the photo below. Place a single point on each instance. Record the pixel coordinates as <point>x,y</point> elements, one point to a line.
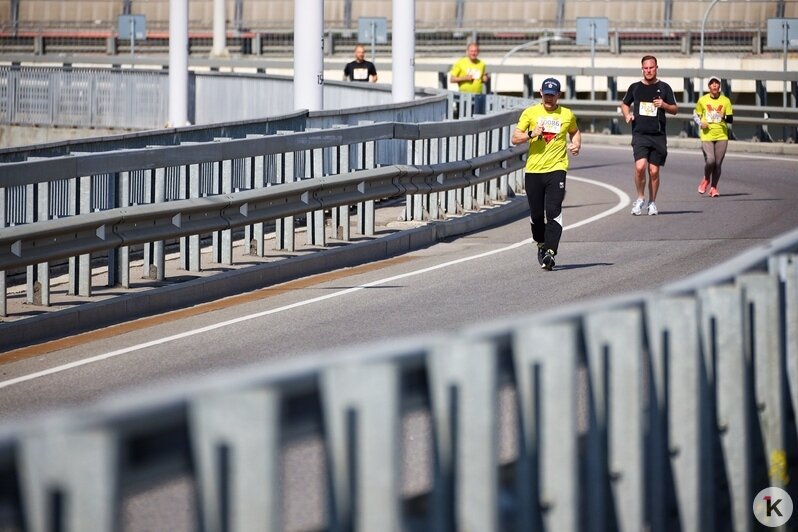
<point>360,69</point>
<point>644,106</point>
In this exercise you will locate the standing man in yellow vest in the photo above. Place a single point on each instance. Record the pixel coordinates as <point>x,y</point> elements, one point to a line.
<point>469,74</point>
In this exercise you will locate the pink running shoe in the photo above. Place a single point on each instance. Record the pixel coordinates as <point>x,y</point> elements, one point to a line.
<point>713,192</point>
<point>703,186</point>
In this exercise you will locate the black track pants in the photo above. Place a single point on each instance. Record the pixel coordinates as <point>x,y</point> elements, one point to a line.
<point>545,193</point>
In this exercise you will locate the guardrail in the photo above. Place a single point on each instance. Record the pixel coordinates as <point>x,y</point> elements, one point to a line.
<point>661,410</point>
<point>148,196</point>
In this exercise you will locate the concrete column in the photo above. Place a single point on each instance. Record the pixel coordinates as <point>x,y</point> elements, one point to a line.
<point>178,62</point>
<point>219,30</point>
<point>309,54</point>
<point>404,50</point>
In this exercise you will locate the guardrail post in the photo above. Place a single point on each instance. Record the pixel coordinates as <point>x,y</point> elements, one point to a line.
<point>481,196</point>
<point>468,191</point>
<point>436,199</point>
<point>122,266</point>
<point>545,357</point>
<point>256,175</point>
<point>688,99</point>
<point>236,442</point>
<point>193,242</point>
<point>763,315</point>
<point>415,204</point>
<point>362,420</point>
<point>84,261</point>
<point>314,167</point>
<point>762,133</point>
<point>495,145</point>
<point>38,288</point>
<point>365,209</point>
<point>158,251</point>
<point>463,390</point>
<point>681,435</point>
<point>69,481</point>
<point>340,215</point>
<point>284,227</point>
<point>223,240</point>
<point>615,466</point>
<point>452,154</point>
<point>723,332</point>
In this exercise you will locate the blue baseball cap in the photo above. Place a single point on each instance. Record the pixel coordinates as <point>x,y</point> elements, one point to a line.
<point>550,86</point>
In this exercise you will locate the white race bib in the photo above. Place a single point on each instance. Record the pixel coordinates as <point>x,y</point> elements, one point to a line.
<point>550,125</point>
<point>647,109</point>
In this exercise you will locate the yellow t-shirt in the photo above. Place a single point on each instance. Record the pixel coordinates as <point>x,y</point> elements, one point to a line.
<point>463,67</point>
<point>548,152</point>
<point>714,111</point>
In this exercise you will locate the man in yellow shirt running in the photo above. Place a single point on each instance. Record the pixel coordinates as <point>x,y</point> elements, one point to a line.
<point>713,114</point>
<point>546,126</point>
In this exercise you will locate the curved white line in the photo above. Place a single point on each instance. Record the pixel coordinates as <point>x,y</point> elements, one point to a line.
<point>623,201</point>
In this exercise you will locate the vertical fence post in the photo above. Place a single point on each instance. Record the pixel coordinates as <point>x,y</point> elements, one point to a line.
<point>361,419</point>
<point>69,481</point>
<point>723,327</point>
<point>236,441</point>
<point>680,440</point>
<point>546,357</point>
<point>615,472</point>
<point>463,382</point>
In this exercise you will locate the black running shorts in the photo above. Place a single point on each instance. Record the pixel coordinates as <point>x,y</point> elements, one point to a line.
<point>653,148</point>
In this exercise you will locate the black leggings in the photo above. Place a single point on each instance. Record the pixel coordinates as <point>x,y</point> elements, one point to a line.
<point>714,152</point>
<point>545,193</point>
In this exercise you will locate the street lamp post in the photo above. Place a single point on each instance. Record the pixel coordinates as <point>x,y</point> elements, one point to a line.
<point>701,52</point>
<point>545,38</point>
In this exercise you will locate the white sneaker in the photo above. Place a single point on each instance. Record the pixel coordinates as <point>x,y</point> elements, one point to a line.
<point>652,209</point>
<point>637,207</point>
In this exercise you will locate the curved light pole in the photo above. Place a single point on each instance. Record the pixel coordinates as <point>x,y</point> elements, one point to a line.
<point>701,52</point>
<point>545,38</point>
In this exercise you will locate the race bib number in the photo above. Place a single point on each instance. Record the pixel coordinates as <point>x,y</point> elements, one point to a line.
<point>714,117</point>
<point>550,125</point>
<point>647,109</point>
<point>474,73</point>
<point>360,74</point>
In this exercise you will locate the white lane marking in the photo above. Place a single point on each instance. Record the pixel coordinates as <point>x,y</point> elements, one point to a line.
<point>623,201</point>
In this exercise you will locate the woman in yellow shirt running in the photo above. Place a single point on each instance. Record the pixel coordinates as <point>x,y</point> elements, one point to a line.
<point>713,114</point>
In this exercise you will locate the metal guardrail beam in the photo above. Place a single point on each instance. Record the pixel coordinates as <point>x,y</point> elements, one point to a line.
<point>51,240</point>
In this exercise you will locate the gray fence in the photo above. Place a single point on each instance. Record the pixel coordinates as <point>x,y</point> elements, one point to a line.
<point>192,189</point>
<point>108,97</point>
<point>664,410</point>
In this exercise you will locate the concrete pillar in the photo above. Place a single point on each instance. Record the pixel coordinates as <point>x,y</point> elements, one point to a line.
<point>309,54</point>
<point>403,41</point>
<point>178,62</point>
<point>219,48</point>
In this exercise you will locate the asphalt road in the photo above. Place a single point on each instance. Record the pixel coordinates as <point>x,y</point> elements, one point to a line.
<point>488,275</point>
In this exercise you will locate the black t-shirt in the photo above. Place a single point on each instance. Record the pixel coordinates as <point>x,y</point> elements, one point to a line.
<point>360,71</point>
<point>649,120</point>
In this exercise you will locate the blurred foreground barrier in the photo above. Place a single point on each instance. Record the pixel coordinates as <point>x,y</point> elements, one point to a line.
<point>663,410</point>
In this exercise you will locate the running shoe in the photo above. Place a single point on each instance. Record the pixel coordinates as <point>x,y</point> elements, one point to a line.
<point>652,209</point>
<point>541,254</point>
<point>703,186</point>
<point>548,260</point>
<point>713,192</point>
<point>637,207</point>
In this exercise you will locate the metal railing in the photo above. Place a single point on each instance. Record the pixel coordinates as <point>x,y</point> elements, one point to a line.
<point>103,98</point>
<point>181,192</point>
<point>662,410</point>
